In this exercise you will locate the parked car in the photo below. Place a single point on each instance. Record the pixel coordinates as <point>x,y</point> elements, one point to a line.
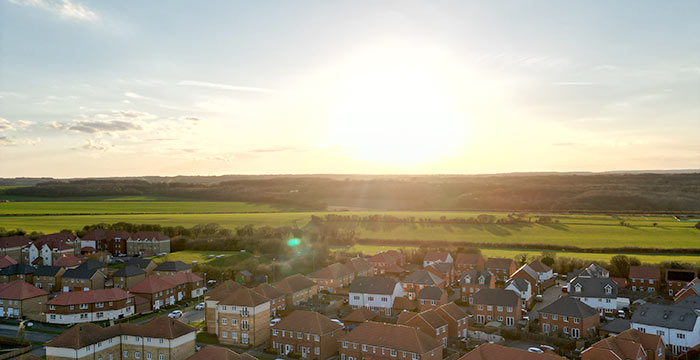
<point>535,350</point>
<point>175,314</point>
<point>200,306</point>
<point>547,347</point>
<point>274,321</point>
<point>621,314</point>
<point>538,298</point>
<point>338,322</point>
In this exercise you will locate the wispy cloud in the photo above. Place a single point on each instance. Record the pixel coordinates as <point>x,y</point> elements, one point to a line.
<point>5,124</point>
<point>6,141</point>
<point>96,145</point>
<point>225,86</point>
<point>96,126</point>
<point>63,8</point>
<point>8,125</point>
<point>574,83</point>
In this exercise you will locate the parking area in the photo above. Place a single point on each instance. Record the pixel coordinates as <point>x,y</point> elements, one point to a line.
<point>549,296</point>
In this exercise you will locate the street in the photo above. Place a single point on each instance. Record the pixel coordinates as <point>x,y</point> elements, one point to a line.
<point>192,316</point>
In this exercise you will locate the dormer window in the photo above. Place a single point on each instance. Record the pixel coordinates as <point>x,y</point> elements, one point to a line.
<point>481,280</point>
<point>578,288</point>
<point>608,289</point>
<point>468,279</point>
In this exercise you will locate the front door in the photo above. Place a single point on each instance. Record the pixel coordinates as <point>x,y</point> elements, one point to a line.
<point>288,349</point>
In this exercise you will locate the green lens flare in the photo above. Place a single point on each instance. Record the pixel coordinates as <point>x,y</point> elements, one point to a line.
<point>293,242</point>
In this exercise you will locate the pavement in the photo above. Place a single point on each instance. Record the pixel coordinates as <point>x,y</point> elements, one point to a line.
<point>521,344</point>
<point>38,350</point>
<point>192,316</point>
<point>549,296</point>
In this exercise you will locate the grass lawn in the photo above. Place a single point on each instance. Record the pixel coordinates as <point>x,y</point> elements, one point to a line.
<point>202,257</point>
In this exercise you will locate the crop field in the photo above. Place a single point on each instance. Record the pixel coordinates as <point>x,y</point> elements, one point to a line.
<point>130,205</point>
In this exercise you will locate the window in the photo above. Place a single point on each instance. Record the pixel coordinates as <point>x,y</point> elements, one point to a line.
<point>480,307</point>
<point>148,339</point>
<point>680,336</point>
<point>544,316</point>
<point>274,332</point>
<point>565,318</point>
<point>223,321</point>
<point>577,320</point>
<point>499,309</point>
<point>489,308</point>
<point>317,338</point>
<point>52,307</point>
<point>99,305</point>
<point>345,344</point>
<point>364,347</point>
<point>660,332</point>
<point>137,354</point>
<point>554,316</point>
<point>370,298</point>
<point>224,334</point>
<point>317,350</point>
<point>300,335</point>
<point>509,309</point>
<point>392,352</point>
<point>415,356</point>
<point>161,357</point>
<point>83,306</point>
<point>234,322</point>
<point>148,356</point>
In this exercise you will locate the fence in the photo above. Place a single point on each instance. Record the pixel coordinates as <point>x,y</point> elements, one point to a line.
<point>480,335</point>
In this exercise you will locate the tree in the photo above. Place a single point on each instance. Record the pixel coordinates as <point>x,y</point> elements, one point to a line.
<point>522,259</point>
<point>620,265</point>
<point>697,226</point>
<point>548,258</point>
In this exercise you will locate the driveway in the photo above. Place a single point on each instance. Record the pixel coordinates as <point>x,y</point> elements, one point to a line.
<point>192,316</point>
<point>549,296</point>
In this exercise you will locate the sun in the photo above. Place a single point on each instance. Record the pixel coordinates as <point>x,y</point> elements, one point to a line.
<point>396,107</point>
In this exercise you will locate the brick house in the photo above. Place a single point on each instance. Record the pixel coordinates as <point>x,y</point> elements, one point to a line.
<point>497,305</point>
<point>360,267</point>
<point>429,322</point>
<point>380,341</point>
<point>528,274</point>
<point>376,293</point>
<point>433,257</point>
<point>87,306</point>
<point>82,278</point>
<point>645,278</point>
<point>161,338</point>
<point>431,297</point>
<point>277,298</point>
<point>464,262</point>
<point>19,299</point>
<point>446,271</point>
<point>48,277</point>
<point>333,277</point>
<point>570,317</point>
<point>12,246</point>
<point>186,285</point>
<point>677,279</point>
<point>14,272</point>
<point>307,333</point>
<point>239,317</point>
<point>381,261</point>
<point>156,290</point>
<point>498,352</point>
<point>128,276</point>
<point>523,288</point>
<point>474,280</point>
<point>419,279</point>
<point>172,268</point>
<point>630,344</point>
<point>690,289</point>
<point>501,268</point>
<point>148,242</point>
<point>297,288</point>
<point>113,241</point>
<point>457,320</point>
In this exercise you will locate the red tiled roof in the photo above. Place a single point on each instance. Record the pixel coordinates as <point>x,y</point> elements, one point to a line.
<point>463,258</point>
<point>307,322</point>
<point>436,256</point>
<point>539,266</point>
<point>182,278</point>
<point>20,290</point>
<point>67,260</point>
<point>398,337</point>
<point>499,263</point>
<point>498,352</point>
<point>102,234</point>
<point>150,285</point>
<point>89,297</point>
<point>14,241</point>
<point>149,235</point>
<point>645,272</point>
<point>60,236</point>
<point>335,271</point>
<point>6,261</point>
<point>360,315</point>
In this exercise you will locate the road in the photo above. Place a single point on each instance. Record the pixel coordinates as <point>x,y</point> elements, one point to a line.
<point>38,350</point>
<point>192,316</point>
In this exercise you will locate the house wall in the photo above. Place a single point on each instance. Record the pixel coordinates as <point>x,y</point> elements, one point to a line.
<point>236,328</point>
<point>648,285</point>
<point>484,313</point>
<point>324,348</point>
<point>565,324</point>
<point>356,352</point>
<point>676,340</point>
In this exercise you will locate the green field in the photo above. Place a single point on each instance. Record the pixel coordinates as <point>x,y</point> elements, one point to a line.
<point>202,257</point>
<point>131,205</point>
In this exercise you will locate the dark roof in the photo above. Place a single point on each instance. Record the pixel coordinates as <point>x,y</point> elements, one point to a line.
<point>173,266</point>
<point>140,262</point>
<point>499,263</point>
<point>93,264</point>
<point>474,276</point>
<point>673,316</point>
<point>593,287</point>
<point>129,270</point>
<point>46,270</point>
<point>80,273</point>
<point>645,272</point>
<point>680,275</point>
<point>423,277</point>
<point>14,241</point>
<point>441,267</point>
<point>16,269</point>
<point>431,293</point>
<point>373,285</point>
<point>568,306</point>
<point>102,234</point>
<point>616,326</point>
<point>518,283</point>
<point>498,297</point>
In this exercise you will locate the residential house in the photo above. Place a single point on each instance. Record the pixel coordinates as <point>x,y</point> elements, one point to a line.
<point>677,279</point>
<point>523,288</point>
<point>48,277</point>
<point>210,352</point>
<point>630,344</point>
<point>464,262</point>
<point>161,338</point>
<point>690,289</point>
<point>431,297</point>
<point>277,298</point>
<point>6,260</point>
<point>419,279</point>
<point>474,280</point>
<point>333,277</point>
<point>358,316</point>
<point>545,275</point>
<point>186,285</point>
<point>148,242</point>
<point>156,290</point>
<point>47,248</point>
<point>238,317</point>
<point>113,241</point>
<point>19,299</point>
<point>402,304</point>
<point>68,261</point>
<point>457,320</point>
<point>375,293</point>
<point>593,270</point>
<point>569,317</point>
<point>381,341</point>
<point>222,290</point>
<point>445,270</point>
<point>614,327</point>
<point>171,268</point>
<point>243,277</point>
<point>360,267</point>
<point>501,268</point>
<point>146,265</point>
<point>645,278</point>
<point>87,306</point>
<point>432,257</point>
<point>490,351</point>
<point>128,276</point>
<point>429,322</point>
<point>497,305</point>
<point>14,272</point>
<point>677,324</point>
<point>528,274</point>
<point>13,246</point>
<point>307,333</point>
<point>381,261</point>
<point>83,279</point>
<point>297,288</point>
<point>598,293</point>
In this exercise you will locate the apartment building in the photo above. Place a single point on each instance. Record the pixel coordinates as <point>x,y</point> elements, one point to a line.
<point>307,333</point>
<point>278,301</point>
<point>112,241</point>
<point>19,299</point>
<point>238,317</point>
<point>87,306</point>
<point>147,242</point>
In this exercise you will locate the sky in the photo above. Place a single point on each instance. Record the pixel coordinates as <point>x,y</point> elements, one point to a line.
<point>131,88</point>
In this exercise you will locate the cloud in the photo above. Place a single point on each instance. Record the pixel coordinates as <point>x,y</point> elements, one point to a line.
<point>31,142</point>
<point>273,149</point>
<point>131,114</point>
<point>5,141</point>
<point>225,86</point>
<point>190,118</point>
<point>96,145</point>
<point>23,123</point>
<point>8,125</point>
<point>5,124</point>
<point>63,8</point>
<point>574,83</point>
<point>97,126</point>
